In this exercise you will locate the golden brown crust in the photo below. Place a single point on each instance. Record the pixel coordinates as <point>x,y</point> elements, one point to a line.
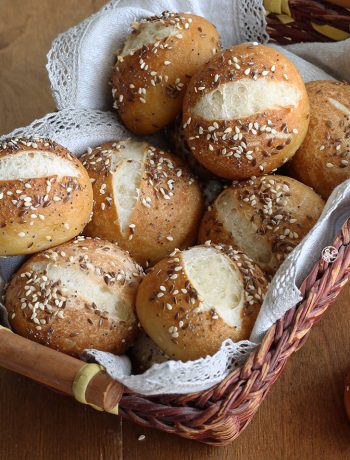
<point>322,161</point>
<point>166,214</point>
<point>38,213</point>
<point>167,307</point>
<point>273,214</point>
<point>149,85</point>
<point>252,145</point>
<point>47,310</point>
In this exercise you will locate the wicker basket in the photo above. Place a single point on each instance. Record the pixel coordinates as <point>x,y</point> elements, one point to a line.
<point>218,415</point>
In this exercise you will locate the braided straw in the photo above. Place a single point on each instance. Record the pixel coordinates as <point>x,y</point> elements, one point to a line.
<point>217,416</point>
<point>293,21</point>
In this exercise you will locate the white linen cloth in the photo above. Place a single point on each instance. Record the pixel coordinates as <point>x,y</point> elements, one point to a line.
<point>79,66</point>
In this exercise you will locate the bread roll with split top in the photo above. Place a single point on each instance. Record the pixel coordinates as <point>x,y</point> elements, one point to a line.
<point>145,199</point>
<point>323,160</point>
<point>155,65</point>
<point>75,296</point>
<point>193,300</point>
<point>45,195</point>
<point>246,112</point>
<point>266,217</point>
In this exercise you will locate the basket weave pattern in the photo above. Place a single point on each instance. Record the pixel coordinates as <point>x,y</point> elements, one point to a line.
<point>305,13</point>
<point>218,415</point>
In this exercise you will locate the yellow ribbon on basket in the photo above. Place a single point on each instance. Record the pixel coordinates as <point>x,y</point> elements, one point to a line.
<point>330,31</point>
<point>81,382</point>
<point>277,7</point>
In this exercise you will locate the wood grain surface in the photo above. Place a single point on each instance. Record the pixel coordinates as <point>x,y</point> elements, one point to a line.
<point>303,417</point>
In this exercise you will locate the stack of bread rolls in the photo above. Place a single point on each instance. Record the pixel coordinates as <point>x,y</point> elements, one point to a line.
<point>155,272</point>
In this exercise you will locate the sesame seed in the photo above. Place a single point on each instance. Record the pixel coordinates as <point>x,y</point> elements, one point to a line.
<point>21,234</point>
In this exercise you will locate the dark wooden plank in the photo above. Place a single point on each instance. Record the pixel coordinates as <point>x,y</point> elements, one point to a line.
<point>37,423</point>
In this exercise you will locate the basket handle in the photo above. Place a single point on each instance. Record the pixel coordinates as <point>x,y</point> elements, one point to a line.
<point>88,383</point>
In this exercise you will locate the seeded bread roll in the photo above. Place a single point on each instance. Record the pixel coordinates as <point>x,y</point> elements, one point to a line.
<point>45,196</point>
<point>210,185</point>
<point>145,353</point>
<point>155,65</point>
<point>144,199</point>
<point>76,296</point>
<point>323,158</point>
<point>193,300</point>
<point>266,217</point>
<point>246,112</point>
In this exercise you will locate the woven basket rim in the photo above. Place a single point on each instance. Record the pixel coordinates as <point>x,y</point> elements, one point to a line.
<point>218,415</point>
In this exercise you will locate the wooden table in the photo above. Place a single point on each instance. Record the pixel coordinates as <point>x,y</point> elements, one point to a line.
<point>303,417</point>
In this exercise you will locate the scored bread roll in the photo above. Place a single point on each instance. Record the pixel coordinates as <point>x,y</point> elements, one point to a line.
<point>145,199</point>
<point>191,301</point>
<point>322,162</point>
<point>210,185</point>
<point>45,195</point>
<point>144,353</point>
<point>177,138</point>
<point>266,217</point>
<point>246,113</point>
<point>155,65</point>
<point>75,296</point>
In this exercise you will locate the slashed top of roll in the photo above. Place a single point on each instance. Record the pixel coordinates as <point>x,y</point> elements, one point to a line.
<point>75,283</point>
<point>246,97</point>
<point>154,29</point>
<point>217,281</point>
<point>32,164</point>
<point>127,162</point>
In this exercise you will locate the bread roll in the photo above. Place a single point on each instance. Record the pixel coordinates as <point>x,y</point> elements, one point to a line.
<point>145,199</point>
<point>323,158</point>
<point>266,217</point>
<point>145,353</point>
<point>155,65</point>
<point>45,195</point>
<point>246,112</point>
<point>76,296</point>
<point>193,300</point>
<point>210,185</point>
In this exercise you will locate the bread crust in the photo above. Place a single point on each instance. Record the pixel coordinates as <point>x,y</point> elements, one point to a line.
<point>255,144</point>
<point>167,211</point>
<point>41,212</point>
<point>322,161</point>
<point>149,85</point>
<point>273,214</point>
<point>69,321</point>
<point>167,308</point>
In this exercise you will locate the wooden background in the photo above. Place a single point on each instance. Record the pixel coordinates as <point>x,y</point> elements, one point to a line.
<point>303,418</point>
